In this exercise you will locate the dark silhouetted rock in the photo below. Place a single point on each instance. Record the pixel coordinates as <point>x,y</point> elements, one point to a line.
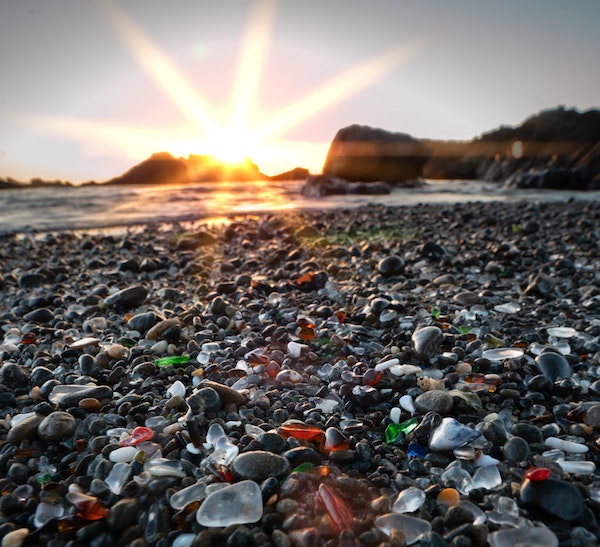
<point>317,186</point>
<point>367,154</point>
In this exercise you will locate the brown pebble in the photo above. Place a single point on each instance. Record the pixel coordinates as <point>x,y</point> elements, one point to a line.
<point>90,404</point>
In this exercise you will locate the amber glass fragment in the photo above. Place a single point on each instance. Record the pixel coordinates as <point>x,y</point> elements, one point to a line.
<point>300,430</point>
<point>338,510</point>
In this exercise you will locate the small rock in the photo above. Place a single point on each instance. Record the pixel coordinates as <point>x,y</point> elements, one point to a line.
<point>427,341</point>
<point>435,400</point>
<point>206,399</point>
<point>128,298</point>
<point>516,449</point>
<point>390,265</point>
<point>24,429</point>
<point>553,365</point>
<point>559,498</point>
<point>57,426</point>
<point>259,465</point>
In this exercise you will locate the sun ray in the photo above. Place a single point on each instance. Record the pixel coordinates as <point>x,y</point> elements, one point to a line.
<point>253,53</point>
<point>339,88</point>
<point>158,66</point>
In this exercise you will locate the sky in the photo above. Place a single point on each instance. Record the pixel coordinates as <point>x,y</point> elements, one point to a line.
<point>89,88</point>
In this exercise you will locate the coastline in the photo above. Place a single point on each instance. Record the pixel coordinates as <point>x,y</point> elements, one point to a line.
<point>234,298</point>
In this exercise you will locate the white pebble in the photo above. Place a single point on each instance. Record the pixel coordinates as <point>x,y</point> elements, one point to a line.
<point>125,454</point>
<point>406,402</point>
<point>405,370</point>
<point>386,364</point>
<point>567,446</point>
<point>395,415</point>
<point>579,467</point>
<point>176,389</point>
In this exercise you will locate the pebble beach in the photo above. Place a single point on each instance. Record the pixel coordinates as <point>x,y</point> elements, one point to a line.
<point>377,376</point>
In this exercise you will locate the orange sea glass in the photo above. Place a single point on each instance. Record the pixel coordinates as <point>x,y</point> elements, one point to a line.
<point>339,512</point>
<point>300,430</point>
<point>371,377</point>
<point>88,507</point>
<point>334,440</point>
<point>537,473</point>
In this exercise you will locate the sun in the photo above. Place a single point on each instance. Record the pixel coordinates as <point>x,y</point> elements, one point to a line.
<point>230,141</point>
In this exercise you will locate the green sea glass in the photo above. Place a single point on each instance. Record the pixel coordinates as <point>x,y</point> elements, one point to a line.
<point>171,361</point>
<point>393,431</point>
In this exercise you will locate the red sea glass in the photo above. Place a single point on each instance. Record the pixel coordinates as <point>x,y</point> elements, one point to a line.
<point>371,377</point>
<point>338,510</point>
<point>29,338</point>
<point>138,435</point>
<point>537,473</point>
<point>300,430</point>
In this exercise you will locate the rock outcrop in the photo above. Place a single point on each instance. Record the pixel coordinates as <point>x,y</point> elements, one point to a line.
<point>367,154</point>
<point>556,148</point>
<point>317,186</point>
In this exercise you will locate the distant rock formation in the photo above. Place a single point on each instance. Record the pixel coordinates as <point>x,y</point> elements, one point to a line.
<point>555,148</point>
<point>298,173</point>
<point>367,154</point>
<point>163,168</point>
<point>318,186</point>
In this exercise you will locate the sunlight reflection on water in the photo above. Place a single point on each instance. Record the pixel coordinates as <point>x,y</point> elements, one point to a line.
<point>107,206</point>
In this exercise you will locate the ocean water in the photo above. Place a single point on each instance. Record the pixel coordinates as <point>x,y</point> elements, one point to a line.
<point>51,209</point>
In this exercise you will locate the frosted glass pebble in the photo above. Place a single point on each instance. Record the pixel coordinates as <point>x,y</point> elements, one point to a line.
<point>386,364</point>
<point>160,347</point>
<point>405,370</point>
<point>45,512</point>
<point>240,503</point>
<point>185,496</point>
<point>561,332</point>
<point>538,536</point>
<point>176,389</point>
<point>487,477</point>
<point>183,540</point>
<point>498,354</point>
<point>409,500</point>
<point>567,446</point>
<point>124,454</point>
<point>406,402</point>
<point>508,307</point>
<point>395,415</point>
<point>579,467</point>
<point>412,528</point>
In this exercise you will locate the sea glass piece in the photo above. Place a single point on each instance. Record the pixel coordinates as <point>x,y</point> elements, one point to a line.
<point>372,377</point>
<point>338,510</point>
<point>118,476</point>
<point>240,503</point>
<point>561,332</point>
<point>45,512</point>
<point>300,430</point>
<point>459,477</point>
<point>537,536</point>
<point>215,431</point>
<point>578,467</point>
<point>394,431</point>
<point>176,389</point>
<point>386,364</point>
<point>184,540</point>
<point>185,496</point>
<point>395,414</point>
<point>406,402</point>
<point>334,440</point>
<point>165,467</point>
<point>537,473</point>
<point>567,446</point>
<point>412,527</point>
<point>138,435</point>
<point>479,517</point>
<point>224,453</point>
<point>88,507</point>
<point>415,450</point>
<point>409,500</point>
<point>171,361</point>
<point>124,454</point>
<point>499,354</point>
<point>508,308</point>
<point>448,497</point>
<point>487,477</point>
<point>451,434</point>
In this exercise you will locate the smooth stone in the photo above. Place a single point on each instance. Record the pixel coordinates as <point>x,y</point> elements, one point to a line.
<point>259,465</point>
<point>427,341</point>
<point>30,280</point>
<point>451,434</point>
<point>500,354</point>
<point>161,328</point>
<point>128,298</point>
<point>537,536</point>
<point>206,399</point>
<point>390,265</point>
<point>592,416</point>
<point>435,400</point>
<point>66,396</point>
<point>12,375</point>
<point>516,449</point>
<point>494,432</point>
<point>41,315</point>
<point>25,429</point>
<point>559,498</point>
<point>57,426</point>
<point>240,503</point>
<point>411,527</point>
<point>15,538</point>
<point>466,298</point>
<point>227,394</point>
<point>528,431</point>
<point>142,322</point>
<point>553,365</point>
<point>124,513</point>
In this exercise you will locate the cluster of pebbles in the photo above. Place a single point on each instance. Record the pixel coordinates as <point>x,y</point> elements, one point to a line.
<point>380,376</point>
